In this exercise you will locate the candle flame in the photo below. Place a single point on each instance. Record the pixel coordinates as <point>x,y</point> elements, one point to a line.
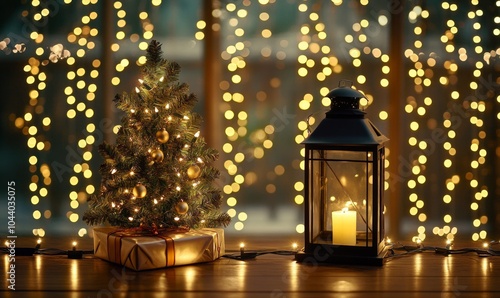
<point>345,209</point>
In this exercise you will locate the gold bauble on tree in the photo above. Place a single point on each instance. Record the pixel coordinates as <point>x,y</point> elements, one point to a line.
<point>162,136</point>
<point>157,155</point>
<point>139,191</point>
<point>182,207</point>
<point>193,172</point>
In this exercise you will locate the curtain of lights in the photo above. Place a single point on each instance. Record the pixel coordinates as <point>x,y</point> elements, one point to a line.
<point>278,59</point>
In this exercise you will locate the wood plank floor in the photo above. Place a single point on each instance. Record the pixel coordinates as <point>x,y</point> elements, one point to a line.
<point>415,275</point>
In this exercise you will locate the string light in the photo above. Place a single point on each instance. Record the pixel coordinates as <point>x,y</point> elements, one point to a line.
<point>74,253</point>
<point>318,62</point>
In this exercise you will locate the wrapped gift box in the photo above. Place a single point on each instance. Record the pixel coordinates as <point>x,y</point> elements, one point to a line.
<point>143,252</point>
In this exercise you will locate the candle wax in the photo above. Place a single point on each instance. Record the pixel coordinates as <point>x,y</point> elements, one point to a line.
<point>344,227</point>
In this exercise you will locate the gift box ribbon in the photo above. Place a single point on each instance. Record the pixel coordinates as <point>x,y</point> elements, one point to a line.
<point>114,241</point>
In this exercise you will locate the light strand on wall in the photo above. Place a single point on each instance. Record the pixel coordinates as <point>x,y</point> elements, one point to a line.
<point>235,54</point>
<point>418,107</point>
<point>442,70</point>
<point>35,124</point>
<point>478,145</point>
<point>80,91</point>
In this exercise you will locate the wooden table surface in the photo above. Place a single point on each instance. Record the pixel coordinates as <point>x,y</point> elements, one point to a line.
<point>424,274</point>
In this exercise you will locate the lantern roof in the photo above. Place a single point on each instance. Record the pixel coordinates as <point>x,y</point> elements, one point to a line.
<point>345,124</point>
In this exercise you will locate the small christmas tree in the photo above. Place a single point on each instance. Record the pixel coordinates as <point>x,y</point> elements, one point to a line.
<point>159,172</point>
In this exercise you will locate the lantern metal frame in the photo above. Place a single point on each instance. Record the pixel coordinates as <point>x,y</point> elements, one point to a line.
<point>343,141</point>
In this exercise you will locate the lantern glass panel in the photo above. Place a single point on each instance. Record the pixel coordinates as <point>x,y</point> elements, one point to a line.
<point>341,195</point>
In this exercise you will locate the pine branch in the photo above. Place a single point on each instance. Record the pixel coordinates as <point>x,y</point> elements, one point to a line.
<point>154,54</point>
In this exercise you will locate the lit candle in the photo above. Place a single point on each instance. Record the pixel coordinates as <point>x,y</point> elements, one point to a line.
<point>344,227</point>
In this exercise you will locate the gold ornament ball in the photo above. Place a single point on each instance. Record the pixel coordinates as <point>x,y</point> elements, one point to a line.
<point>157,155</point>
<point>162,136</point>
<point>182,207</point>
<point>139,191</point>
<point>193,172</point>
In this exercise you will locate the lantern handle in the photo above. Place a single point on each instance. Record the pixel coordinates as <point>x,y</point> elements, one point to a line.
<point>343,83</point>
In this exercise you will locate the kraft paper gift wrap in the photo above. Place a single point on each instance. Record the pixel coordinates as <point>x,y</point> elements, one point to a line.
<point>143,252</point>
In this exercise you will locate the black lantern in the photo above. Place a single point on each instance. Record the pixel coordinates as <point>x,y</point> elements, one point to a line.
<point>344,185</point>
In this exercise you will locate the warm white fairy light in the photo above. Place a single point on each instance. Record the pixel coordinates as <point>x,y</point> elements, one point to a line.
<point>80,87</point>
<point>313,51</point>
